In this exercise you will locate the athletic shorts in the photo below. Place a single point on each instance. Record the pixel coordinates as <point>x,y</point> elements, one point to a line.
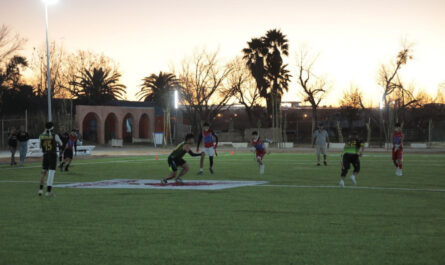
<point>210,151</point>
<point>397,155</point>
<point>260,154</point>
<point>49,161</point>
<point>351,159</point>
<point>68,153</point>
<point>175,163</point>
<point>321,149</point>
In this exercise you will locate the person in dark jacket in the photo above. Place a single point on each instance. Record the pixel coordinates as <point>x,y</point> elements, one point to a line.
<point>23,138</point>
<point>12,144</point>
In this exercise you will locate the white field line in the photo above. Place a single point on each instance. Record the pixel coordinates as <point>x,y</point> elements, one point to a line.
<point>295,162</point>
<point>286,186</point>
<point>352,187</point>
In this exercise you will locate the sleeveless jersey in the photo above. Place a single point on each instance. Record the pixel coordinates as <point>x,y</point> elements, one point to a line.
<point>353,146</point>
<point>258,144</point>
<point>178,152</point>
<point>208,138</point>
<point>48,143</point>
<point>397,138</point>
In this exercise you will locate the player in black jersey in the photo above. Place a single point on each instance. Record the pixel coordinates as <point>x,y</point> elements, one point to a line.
<point>175,159</point>
<point>48,142</point>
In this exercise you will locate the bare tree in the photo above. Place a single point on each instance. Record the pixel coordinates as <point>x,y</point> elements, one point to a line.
<point>393,88</point>
<point>315,88</point>
<point>9,44</point>
<point>246,92</point>
<point>203,86</point>
<point>58,67</point>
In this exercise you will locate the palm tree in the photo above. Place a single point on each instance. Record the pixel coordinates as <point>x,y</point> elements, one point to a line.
<point>264,60</point>
<point>157,89</point>
<point>98,86</point>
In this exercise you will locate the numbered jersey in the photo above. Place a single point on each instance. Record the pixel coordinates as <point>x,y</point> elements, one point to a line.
<point>48,143</point>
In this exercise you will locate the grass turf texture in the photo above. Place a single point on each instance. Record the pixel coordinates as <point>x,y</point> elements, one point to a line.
<point>248,225</point>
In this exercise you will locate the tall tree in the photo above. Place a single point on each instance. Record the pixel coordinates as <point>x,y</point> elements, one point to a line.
<point>314,88</point>
<point>204,89</point>
<point>389,79</point>
<point>158,89</point>
<point>10,44</point>
<point>264,58</point>
<point>98,86</point>
<point>246,92</point>
<point>10,84</point>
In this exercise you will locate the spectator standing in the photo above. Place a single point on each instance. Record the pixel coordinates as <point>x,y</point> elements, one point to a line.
<point>321,144</point>
<point>12,144</point>
<point>23,138</point>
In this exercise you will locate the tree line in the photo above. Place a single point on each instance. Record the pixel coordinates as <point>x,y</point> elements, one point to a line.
<point>258,77</point>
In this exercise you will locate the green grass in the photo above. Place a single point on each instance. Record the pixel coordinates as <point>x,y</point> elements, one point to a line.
<point>247,225</point>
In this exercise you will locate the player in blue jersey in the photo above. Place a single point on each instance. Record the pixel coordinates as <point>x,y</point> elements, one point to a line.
<point>260,150</point>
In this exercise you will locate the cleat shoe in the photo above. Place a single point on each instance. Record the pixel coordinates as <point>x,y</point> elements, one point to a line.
<point>49,194</point>
<point>200,173</point>
<point>342,184</point>
<point>179,181</point>
<point>40,192</point>
<point>352,177</point>
<point>66,169</point>
<point>325,163</point>
<point>164,182</point>
<point>318,164</point>
<point>211,170</point>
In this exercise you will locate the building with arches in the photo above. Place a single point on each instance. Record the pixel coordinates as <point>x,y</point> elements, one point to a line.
<point>125,120</point>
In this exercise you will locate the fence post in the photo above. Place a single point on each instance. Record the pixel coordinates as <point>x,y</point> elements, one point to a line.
<point>3,133</point>
<point>430,132</point>
<point>26,120</point>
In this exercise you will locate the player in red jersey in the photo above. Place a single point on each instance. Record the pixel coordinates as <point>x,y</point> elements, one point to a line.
<point>210,144</point>
<point>397,148</point>
<point>260,150</point>
<point>68,150</point>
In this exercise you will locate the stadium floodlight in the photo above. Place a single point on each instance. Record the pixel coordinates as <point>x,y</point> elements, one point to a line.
<point>48,70</point>
<point>176,99</point>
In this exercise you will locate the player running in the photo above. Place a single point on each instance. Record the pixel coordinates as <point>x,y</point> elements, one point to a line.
<point>64,137</point>
<point>210,144</point>
<point>175,159</point>
<point>351,155</point>
<point>48,142</point>
<point>260,150</point>
<point>68,150</point>
<point>397,148</point>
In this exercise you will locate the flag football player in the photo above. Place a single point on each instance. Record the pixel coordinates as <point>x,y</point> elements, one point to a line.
<point>353,150</point>
<point>397,148</point>
<point>175,160</point>
<point>210,143</point>
<point>70,144</point>
<point>260,150</point>
<point>48,142</point>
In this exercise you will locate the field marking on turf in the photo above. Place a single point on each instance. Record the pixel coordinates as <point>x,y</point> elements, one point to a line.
<point>277,186</point>
<point>351,187</point>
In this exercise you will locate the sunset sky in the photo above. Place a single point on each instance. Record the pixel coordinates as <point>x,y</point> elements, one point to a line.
<point>352,37</point>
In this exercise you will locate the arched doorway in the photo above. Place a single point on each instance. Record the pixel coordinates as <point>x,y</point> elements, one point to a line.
<point>111,127</point>
<point>127,128</point>
<point>90,127</point>
<point>144,127</point>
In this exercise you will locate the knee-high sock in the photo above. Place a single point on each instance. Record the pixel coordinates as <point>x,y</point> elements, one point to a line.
<point>211,161</point>
<point>50,180</point>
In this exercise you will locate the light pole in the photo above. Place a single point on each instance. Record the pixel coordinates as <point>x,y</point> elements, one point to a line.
<point>48,70</point>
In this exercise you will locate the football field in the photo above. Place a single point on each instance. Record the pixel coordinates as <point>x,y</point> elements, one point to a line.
<point>300,216</point>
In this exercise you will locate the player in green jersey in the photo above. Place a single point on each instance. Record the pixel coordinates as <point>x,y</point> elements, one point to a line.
<point>351,155</point>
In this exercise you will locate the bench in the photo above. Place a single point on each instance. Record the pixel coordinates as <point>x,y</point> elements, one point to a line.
<point>419,145</point>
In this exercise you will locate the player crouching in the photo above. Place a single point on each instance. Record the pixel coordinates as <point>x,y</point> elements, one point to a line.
<point>351,155</point>
<point>260,150</point>
<point>48,142</point>
<point>175,159</point>
<point>397,149</point>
